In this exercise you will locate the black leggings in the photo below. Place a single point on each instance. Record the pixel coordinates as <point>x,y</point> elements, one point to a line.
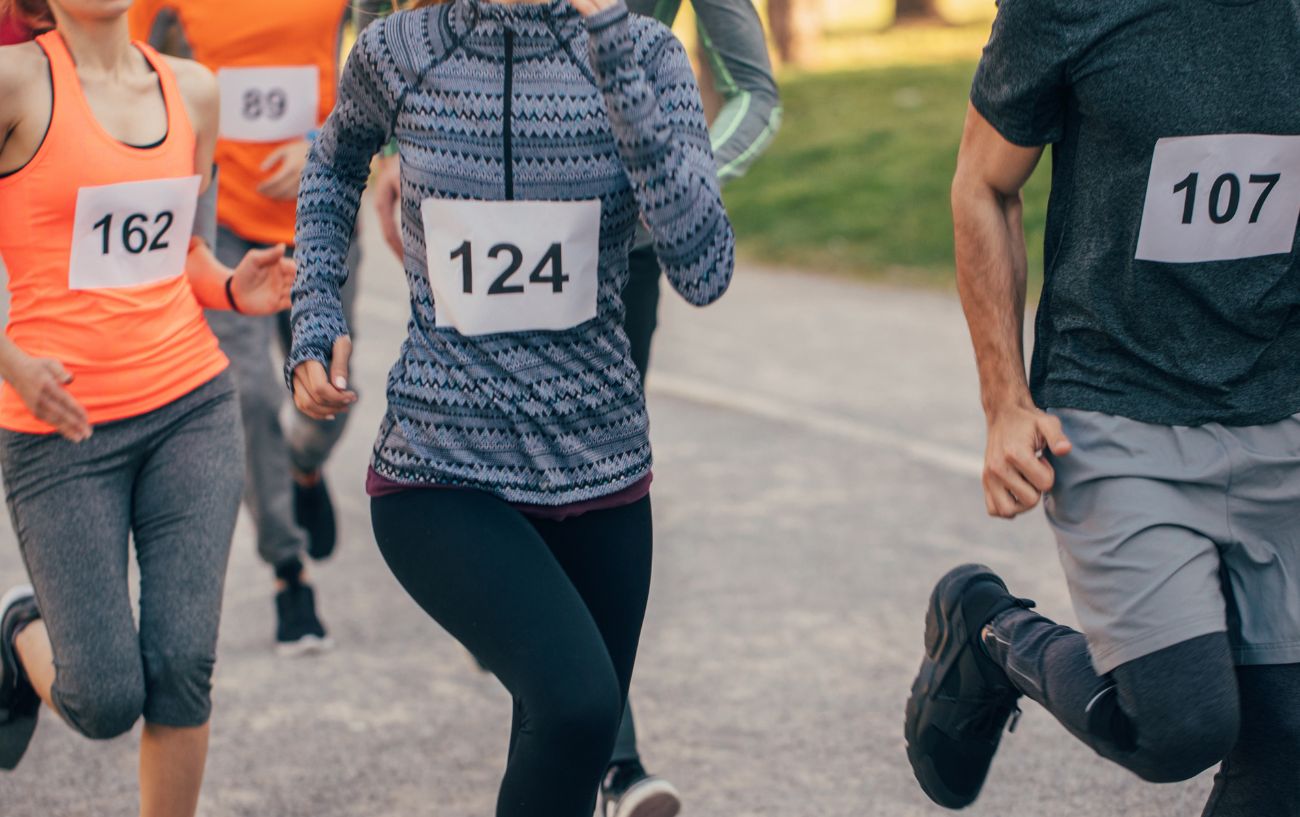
<point>1169,715</point>
<point>554,609</point>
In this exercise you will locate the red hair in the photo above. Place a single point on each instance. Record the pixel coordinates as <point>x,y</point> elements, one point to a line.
<point>35,14</point>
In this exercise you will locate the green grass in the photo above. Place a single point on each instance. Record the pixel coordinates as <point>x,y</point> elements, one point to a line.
<point>857,180</point>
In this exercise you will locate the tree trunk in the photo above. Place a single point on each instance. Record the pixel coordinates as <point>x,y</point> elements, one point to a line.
<point>796,28</point>
<point>913,9</point>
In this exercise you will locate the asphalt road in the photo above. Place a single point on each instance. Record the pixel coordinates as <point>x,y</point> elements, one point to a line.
<point>817,447</point>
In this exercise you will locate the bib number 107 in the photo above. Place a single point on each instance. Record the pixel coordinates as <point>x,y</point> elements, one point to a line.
<point>548,270</point>
<point>135,236</point>
<point>1224,200</point>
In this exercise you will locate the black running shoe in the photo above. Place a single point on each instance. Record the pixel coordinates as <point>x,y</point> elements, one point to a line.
<point>961,699</point>
<point>19,704</point>
<point>628,791</point>
<point>299,631</point>
<point>314,512</point>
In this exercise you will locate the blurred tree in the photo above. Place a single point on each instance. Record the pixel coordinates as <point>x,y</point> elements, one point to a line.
<point>796,28</point>
<point>917,8</point>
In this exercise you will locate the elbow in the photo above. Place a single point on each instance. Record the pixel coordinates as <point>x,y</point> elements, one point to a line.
<point>714,271</point>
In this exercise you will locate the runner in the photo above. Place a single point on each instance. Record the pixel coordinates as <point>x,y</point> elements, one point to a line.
<point>118,418</point>
<point>1159,418</point>
<point>731,34</point>
<point>277,64</point>
<point>511,476</point>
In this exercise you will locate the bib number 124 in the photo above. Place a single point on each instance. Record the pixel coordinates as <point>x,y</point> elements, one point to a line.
<point>549,269</point>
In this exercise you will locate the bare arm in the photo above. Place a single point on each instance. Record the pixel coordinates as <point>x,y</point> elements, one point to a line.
<point>991,267</point>
<point>991,271</point>
<point>262,280</point>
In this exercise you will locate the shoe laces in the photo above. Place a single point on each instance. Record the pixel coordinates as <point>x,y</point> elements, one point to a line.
<point>988,713</point>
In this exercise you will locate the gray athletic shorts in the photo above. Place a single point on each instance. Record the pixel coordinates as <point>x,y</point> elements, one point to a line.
<point>1167,533</point>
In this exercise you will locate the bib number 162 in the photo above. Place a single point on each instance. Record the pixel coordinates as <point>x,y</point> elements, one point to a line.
<point>548,270</point>
<point>135,236</point>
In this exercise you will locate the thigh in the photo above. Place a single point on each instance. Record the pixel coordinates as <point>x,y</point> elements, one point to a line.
<point>1139,512</point>
<point>184,508</point>
<point>70,507</point>
<point>1262,563</point>
<point>607,556</point>
<point>481,571</point>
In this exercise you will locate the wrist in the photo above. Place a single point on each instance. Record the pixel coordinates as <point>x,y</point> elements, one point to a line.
<point>1006,399</point>
<point>230,295</point>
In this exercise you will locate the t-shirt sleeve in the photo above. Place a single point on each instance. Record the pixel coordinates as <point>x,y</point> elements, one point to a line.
<point>1021,84</point>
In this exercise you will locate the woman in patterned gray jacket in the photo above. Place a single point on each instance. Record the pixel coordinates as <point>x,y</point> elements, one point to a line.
<point>510,478</point>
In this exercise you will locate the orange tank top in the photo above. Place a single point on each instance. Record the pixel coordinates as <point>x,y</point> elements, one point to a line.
<point>91,236</point>
<point>277,63</point>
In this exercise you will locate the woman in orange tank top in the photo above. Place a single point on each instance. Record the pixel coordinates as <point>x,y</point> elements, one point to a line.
<point>117,416</point>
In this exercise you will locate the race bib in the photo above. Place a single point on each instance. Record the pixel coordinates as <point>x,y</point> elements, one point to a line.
<point>134,233</point>
<point>512,266</point>
<point>268,104</point>
<point>1219,198</point>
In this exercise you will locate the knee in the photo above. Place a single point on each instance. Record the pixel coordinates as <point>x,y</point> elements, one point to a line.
<point>1180,745</point>
<point>178,689</point>
<point>109,711</point>
<point>583,719</point>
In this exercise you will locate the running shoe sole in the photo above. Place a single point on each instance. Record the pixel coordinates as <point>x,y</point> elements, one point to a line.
<point>943,645</point>
<point>306,646</point>
<point>15,732</point>
<point>653,797</point>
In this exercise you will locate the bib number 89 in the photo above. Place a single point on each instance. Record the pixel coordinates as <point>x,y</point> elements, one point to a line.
<point>135,238</point>
<point>552,259</point>
<point>270,103</point>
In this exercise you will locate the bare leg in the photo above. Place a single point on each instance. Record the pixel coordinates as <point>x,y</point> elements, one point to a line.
<point>37,657</point>
<point>171,770</point>
<point>171,760</point>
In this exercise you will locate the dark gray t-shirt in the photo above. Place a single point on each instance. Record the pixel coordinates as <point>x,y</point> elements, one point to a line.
<point>1172,284</point>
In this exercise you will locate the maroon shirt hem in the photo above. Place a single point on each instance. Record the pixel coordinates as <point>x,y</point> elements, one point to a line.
<point>378,485</point>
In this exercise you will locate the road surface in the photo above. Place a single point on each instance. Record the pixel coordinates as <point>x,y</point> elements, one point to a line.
<point>817,453</point>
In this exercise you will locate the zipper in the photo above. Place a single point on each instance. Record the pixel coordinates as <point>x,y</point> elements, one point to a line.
<point>508,116</point>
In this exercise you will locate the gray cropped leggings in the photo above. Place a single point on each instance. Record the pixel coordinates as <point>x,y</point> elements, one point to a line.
<point>277,434</point>
<point>172,478</point>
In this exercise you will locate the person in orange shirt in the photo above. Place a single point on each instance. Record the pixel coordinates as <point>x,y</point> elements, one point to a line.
<point>118,419</point>
<point>277,65</point>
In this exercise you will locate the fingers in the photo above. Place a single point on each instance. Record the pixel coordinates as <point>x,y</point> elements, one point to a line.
<point>266,256</point>
<point>339,363</point>
<point>392,236</point>
<point>1001,501</point>
<point>1033,468</point>
<point>281,185</point>
<point>313,394</point>
<point>387,195</point>
<point>275,157</point>
<point>56,406</point>
<point>1054,439</point>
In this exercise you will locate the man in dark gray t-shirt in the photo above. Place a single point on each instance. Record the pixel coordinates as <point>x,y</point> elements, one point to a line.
<point>1159,420</point>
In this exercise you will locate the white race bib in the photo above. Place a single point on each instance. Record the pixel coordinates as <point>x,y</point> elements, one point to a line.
<point>1221,197</point>
<point>133,233</point>
<point>512,266</point>
<point>268,104</point>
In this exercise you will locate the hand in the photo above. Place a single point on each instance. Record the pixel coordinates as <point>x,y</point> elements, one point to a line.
<point>320,396</point>
<point>283,183</point>
<point>388,196</point>
<point>263,280</point>
<point>40,384</point>
<point>589,7</point>
<point>1016,472</point>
